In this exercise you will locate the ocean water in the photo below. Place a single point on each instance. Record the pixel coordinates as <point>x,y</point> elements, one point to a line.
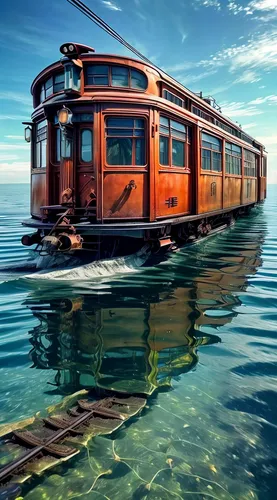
<point>200,328</point>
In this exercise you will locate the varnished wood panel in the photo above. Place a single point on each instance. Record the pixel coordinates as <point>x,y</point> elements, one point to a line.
<point>249,190</point>
<point>232,191</point>
<point>121,202</point>
<point>210,192</point>
<point>262,188</point>
<point>173,185</point>
<point>38,192</point>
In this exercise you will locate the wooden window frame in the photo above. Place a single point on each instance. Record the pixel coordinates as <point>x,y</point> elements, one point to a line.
<point>232,155</point>
<point>110,66</point>
<point>211,171</point>
<point>171,137</point>
<point>251,166</point>
<point>133,137</point>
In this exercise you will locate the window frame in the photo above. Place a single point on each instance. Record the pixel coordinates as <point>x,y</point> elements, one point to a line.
<point>42,87</point>
<point>39,139</point>
<point>171,137</point>
<point>83,128</point>
<point>255,169</point>
<point>211,150</point>
<point>264,167</point>
<point>233,154</point>
<point>133,166</point>
<point>165,90</point>
<point>110,76</point>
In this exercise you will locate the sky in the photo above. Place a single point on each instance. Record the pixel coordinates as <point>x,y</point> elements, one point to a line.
<point>224,48</point>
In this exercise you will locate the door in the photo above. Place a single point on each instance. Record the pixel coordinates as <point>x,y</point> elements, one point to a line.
<point>125,168</point>
<point>85,172</point>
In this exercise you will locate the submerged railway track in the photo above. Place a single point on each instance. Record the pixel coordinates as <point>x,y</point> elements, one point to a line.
<point>31,450</point>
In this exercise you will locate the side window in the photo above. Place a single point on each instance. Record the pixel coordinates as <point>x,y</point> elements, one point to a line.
<point>233,159</point>
<point>86,145</point>
<point>249,164</point>
<point>41,144</point>
<point>125,141</point>
<point>174,143</point>
<point>211,153</point>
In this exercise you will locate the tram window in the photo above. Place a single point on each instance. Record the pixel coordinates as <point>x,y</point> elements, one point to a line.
<point>86,145</point>
<point>211,153</point>
<point>97,75</point>
<point>138,80</point>
<point>41,145</point>
<point>249,164</point>
<point>174,137</point>
<point>164,158</point>
<point>173,98</point>
<point>58,145</point>
<point>120,76</point>
<point>115,76</point>
<point>51,86</point>
<point>58,82</point>
<point>233,159</point>
<point>125,141</point>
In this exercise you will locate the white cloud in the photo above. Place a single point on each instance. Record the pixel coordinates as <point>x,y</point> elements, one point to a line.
<point>268,140</point>
<point>249,125</point>
<point>26,100</point>
<point>263,5</point>
<point>259,53</point>
<point>12,147</point>
<point>15,167</point>
<point>19,118</point>
<point>110,5</point>
<point>210,3</point>
<point>189,79</point>
<point>263,100</point>
<point>239,109</point>
<point>17,137</point>
<point>248,76</point>
<point>8,157</point>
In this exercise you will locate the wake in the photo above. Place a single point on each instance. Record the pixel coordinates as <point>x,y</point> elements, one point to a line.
<point>96,269</point>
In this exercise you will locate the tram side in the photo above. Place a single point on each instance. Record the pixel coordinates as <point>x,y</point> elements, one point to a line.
<point>122,150</point>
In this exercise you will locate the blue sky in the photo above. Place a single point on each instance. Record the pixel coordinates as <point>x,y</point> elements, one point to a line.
<point>224,48</point>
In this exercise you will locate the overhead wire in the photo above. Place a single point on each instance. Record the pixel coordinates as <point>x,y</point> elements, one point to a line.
<point>106,27</point>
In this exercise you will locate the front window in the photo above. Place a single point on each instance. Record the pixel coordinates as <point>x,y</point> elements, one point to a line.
<point>174,143</point>
<point>249,164</point>
<point>54,84</point>
<point>114,76</point>
<point>125,141</point>
<point>41,145</point>
<point>211,153</point>
<point>233,159</point>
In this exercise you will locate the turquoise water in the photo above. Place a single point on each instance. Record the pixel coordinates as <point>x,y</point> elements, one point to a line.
<point>199,327</point>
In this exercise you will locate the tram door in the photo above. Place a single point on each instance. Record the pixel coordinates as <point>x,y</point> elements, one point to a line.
<point>85,175</point>
<point>125,168</point>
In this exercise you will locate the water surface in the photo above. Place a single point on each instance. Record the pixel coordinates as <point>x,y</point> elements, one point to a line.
<point>199,328</point>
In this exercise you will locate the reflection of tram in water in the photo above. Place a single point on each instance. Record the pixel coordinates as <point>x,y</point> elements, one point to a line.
<point>134,340</point>
<point>123,154</point>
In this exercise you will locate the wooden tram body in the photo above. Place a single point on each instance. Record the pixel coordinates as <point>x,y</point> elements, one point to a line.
<point>120,150</point>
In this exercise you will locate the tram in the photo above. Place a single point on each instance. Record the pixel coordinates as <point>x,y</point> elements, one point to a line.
<point>123,155</point>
